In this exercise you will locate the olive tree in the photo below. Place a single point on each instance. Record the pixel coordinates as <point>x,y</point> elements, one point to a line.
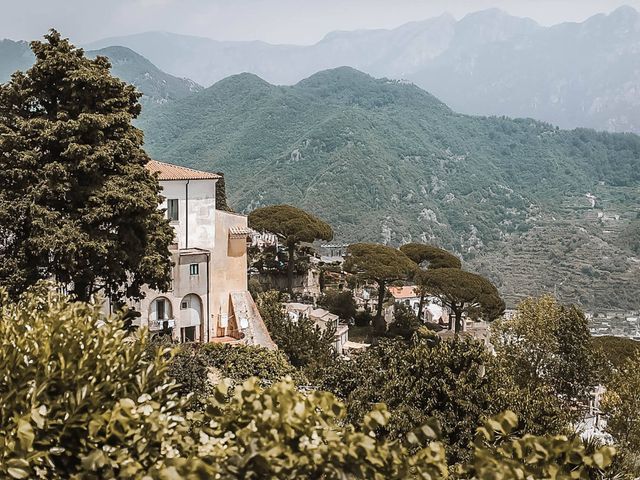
<point>292,225</point>
<point>382,264</point>
<point>429,257</point>
<point>464,293</point>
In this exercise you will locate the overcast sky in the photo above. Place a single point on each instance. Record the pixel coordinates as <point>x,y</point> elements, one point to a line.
<point>274,21</point>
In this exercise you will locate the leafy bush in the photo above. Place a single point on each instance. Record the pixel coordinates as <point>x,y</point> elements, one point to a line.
<point>405,322</point>
<point>417,381</point>
<point>77,395</point>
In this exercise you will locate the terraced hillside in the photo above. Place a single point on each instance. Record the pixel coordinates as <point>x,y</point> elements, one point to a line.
<point>386,161</point>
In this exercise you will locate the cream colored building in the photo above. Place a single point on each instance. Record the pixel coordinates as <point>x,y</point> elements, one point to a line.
<point>208,300</point>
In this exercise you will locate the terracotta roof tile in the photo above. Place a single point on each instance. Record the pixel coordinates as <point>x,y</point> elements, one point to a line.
<point>167,171</point>
<point>403,292</point>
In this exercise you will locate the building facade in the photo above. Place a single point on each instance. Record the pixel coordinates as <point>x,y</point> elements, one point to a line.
<point>208,300</point>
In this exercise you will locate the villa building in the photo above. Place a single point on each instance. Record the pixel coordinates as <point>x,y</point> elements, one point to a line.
<point>208,300</point>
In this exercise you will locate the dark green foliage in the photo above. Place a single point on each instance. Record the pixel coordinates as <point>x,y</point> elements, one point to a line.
<point>221,194</point>
<point>463,292</point>
<point>382,264</point>
<point>293,226</point>
<point>77,203</point>
<point>416,382</point>
<point>430,256</point>
<point>363,318</point>
<point>306,345</point>
<point>377,158</point>
<point>405,323</point>
<point>339,302</point>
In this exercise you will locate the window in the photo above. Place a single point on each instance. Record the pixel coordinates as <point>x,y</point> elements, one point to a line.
<point>184,305</point>
<point>162,312</point>
<point>172,209</point>
<point>194,269</point>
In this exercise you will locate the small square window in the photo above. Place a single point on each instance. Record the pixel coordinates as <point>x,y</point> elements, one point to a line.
<point>194,269</point>
<point>172,209</point>
<point>183,306</point>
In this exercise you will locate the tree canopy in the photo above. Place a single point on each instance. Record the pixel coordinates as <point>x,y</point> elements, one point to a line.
<point>463,292</point>
<point>77,204</point>
<point>430,256</point>
<point>544,355</point>
<point>292,225</point>
<point>382,264</point>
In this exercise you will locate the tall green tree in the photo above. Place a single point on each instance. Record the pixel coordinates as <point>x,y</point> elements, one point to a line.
<point>547,347</point>
<point>464,293</point>
<point>381,264</point>
<point>77,204</point>
<point>621,404</point>
<point>429,257</point>
<point>292,225</point>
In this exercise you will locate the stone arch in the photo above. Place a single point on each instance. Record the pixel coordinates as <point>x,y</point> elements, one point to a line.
<point>191,318</point>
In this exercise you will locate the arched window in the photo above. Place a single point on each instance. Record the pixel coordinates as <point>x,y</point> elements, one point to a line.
<point>160,313</point>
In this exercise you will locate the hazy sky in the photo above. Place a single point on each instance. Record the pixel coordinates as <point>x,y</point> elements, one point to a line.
<point>274,21</point>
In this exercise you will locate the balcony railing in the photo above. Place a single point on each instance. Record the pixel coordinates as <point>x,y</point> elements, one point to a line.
<point>160,324</point>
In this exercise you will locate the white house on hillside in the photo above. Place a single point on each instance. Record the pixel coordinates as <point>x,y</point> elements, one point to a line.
<point>208,300</point>
<point>432,311</point>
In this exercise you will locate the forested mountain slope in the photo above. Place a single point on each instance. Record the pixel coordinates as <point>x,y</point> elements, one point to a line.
<point>536,207</point>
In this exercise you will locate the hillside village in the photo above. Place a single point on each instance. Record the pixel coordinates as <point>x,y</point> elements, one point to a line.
<point>209,300</point>
<point>336,326</point>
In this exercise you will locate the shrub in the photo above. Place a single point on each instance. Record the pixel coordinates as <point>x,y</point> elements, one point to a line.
<point>71,384</point>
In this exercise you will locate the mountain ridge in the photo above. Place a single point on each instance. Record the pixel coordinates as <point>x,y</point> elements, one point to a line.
<point>487,63</point>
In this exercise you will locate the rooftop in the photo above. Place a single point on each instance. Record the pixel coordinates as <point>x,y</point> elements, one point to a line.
<point>407,291</point>
<point>167,171</point>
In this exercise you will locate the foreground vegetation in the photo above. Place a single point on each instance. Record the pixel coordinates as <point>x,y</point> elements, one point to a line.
<point>93,402</point>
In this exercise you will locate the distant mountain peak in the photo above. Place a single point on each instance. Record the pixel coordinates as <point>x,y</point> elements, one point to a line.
<point>625,11</point>
<point>338,74</point>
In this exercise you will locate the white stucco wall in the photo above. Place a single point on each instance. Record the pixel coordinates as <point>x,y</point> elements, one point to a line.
<point>200,215</point>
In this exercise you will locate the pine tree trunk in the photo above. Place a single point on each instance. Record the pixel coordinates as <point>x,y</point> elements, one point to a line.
<point>379,324</point>
<point>290,269</point>
<point>420,307</point>
<point>458,313</point>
